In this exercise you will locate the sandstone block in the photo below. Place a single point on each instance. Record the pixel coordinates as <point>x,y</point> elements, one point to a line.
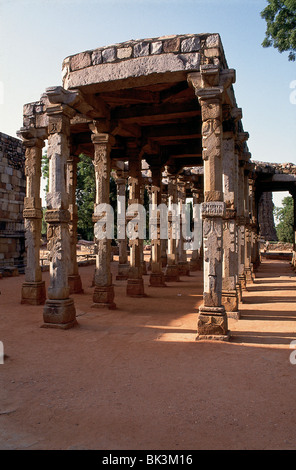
<point>156,47</point>
<point>190,44</point>
<point>109,54</point>
<point>141,49</point>
<point>124,52</point>
<point>80,61</point>
<point>97,57</point>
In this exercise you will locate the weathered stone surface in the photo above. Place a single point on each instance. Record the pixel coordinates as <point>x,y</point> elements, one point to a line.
<point>141,49</point>
<point>190,44</point>
<point>109,55</point>
<point>80,61</point>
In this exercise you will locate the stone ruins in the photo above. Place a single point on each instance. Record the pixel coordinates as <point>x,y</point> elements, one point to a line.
<point>12,193</point>
<point>168,103</point>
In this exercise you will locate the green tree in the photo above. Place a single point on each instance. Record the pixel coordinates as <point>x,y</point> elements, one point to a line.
<point>85,197</point>
<point>285,216</point>
<point>280,17</point>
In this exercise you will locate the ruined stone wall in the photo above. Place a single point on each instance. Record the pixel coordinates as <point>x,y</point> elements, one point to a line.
<point>12,193</point>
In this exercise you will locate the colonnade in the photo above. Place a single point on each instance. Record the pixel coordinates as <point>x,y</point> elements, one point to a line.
<point>229,248</point>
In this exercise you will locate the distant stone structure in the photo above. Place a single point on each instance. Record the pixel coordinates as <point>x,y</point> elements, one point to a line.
<point>267,229</point>
<point>12,193</point>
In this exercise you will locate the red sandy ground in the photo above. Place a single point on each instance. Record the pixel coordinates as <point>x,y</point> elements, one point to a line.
<point>135,378</point>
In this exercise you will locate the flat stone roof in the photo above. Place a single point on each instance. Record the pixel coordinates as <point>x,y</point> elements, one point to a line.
<point>160,56</point>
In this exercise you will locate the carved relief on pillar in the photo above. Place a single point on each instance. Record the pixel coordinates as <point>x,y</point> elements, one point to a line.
<point>59,310</point>
<point>33,289</point>
<point>103,296</point>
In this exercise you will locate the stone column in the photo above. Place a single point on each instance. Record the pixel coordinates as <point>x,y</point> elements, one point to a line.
<point>230,297</point>
<point>156,277</point>
<point>59,310</point>
<point>123,265</point>
<point>172,270</point>
<point>74,279</point>
<point>33,289</point>
<point>196,261</point>
<point>241,229</point>
<point>183,265</point>
<point>103,296</point>
<point>209,87</point>
<point>163,242</point>
<point>248,265</point>
<point>135,284</point>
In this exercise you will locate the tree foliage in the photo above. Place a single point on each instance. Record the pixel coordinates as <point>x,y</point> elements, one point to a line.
<point>285,216</point>
<point>280,17</point>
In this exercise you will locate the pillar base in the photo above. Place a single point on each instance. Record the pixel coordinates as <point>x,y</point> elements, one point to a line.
<point>75,284</point>
<point>172,273</point>
<point>242,281</point>
<point>157,280</point>
<point>59,314</point>
<point>230,301</point>
<point>135,288</point>
<point>212,324</point>
<point>33,293</point>
<point>122,272</point>
<point>184,268</point>
<point>103,297</point>
<point>249,276</point>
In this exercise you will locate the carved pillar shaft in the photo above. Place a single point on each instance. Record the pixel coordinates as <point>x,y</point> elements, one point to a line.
<point>135,285</point>
<point>230,248</point>
<point>241,228</point>
<point>248,234</point>
<point>182,255</point>
<point>212,321</point>
<point>59,310</point>
<point>73,277</point>
<point>156,277</point>
<point>33,289</point>
<point>172,270</point>
<point>103,296</point>
<point>123,265</point>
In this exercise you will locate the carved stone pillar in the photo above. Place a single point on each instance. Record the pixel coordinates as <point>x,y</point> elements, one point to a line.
<point>33,289</point>
<point>172,270</point>
<point>241,220</point>
<point>230,297</point>
<point>59,310</point>
<point>209,86</point>
<point>248,231</point>
<point>123,265</point>
<point>103,296</point>
<point>74,279</point>
<point>196,260</point>
<point>156,277</point>
<point>183,265</point>
<point>164,242</point>
<point>135,284</point>
<point>293,194</point>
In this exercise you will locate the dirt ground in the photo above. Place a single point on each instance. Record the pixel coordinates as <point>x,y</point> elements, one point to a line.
<point>136,378</point>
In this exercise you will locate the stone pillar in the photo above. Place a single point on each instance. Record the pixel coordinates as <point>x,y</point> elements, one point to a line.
<point>156,277</point>
<point>183,265</point>
<point>59,310</point>
<point>248,265</point>
<point>172,270</point>
<point>230,296</point>
<point>164,242</point>
<point>241,230</point>
<point>103,296</point>
<point>209,87</point>
<point>196,261</point>
<point>33,289</point>
<point>74,279</point>
<point>135,284</point>
<point>123,265</point>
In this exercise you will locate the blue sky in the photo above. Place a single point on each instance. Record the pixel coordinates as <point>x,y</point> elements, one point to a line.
<point>36,35</point>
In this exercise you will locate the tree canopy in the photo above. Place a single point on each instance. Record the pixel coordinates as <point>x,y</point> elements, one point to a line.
<point>280,17</point>
<point>285,216</point>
